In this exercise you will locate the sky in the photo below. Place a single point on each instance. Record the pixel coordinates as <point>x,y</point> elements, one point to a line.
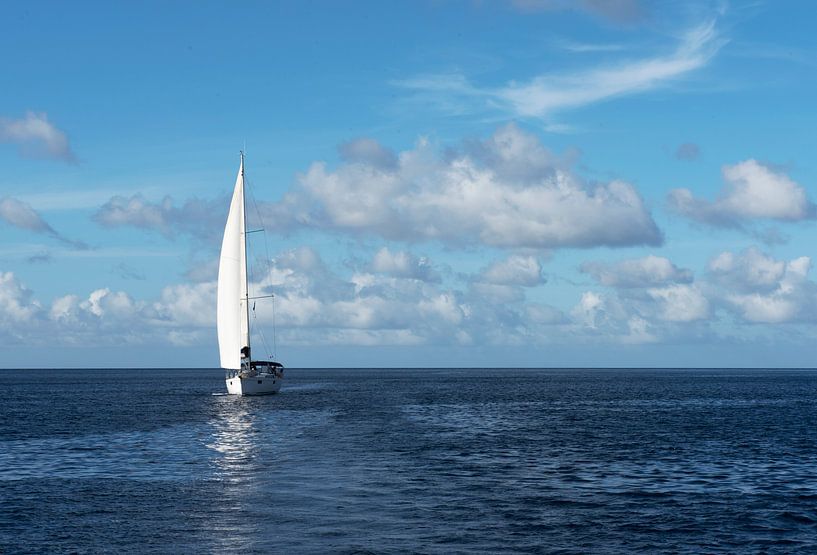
<point>483,183</point>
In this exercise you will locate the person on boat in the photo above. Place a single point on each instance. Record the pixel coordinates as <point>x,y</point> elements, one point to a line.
<point>246,363</point>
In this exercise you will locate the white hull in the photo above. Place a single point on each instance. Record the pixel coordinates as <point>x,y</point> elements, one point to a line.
<point>260,384</point>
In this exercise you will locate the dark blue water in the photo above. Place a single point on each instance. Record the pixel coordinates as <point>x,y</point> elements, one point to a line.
<point>394,461</point>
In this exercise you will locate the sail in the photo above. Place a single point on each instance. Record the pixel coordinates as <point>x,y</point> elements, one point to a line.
<point>231,312</point>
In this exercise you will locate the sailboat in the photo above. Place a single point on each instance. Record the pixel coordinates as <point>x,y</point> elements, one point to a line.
<point>245,376</point>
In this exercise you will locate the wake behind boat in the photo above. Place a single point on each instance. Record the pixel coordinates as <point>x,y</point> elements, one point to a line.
<point>244,375</point>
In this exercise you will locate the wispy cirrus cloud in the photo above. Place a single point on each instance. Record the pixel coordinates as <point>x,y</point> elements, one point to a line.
<point>587,47</point>
<point>21,215</point>
<point>37,137</point>
<point>546,94</point>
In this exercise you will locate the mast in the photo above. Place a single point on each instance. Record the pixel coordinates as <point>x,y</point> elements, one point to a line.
<point>246,264</point>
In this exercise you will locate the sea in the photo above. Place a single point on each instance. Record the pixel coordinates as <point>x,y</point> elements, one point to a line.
<point>410,461</point>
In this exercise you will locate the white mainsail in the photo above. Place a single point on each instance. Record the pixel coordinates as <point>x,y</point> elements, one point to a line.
<point>231,312</point>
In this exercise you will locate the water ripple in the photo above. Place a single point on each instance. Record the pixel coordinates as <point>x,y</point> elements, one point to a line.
<point>445,461</point>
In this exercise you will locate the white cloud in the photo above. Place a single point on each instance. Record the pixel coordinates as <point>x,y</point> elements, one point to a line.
<point>752,191</point>
<point>199,218</point>
<point>547,94</point>
<point>515,270</point>
<point>138,212</point>
<point>104,302</point>
<point>764,290</point>
<point>587,311</point>
<point>498,294</point>
<point>104,317</point>
<point>638,332</point>
<point>631,316</point>
<point>649,271</point>
<point>500,194</point>
<point>314,305</point>
<point>36,137</point>
<point>538,313</point>
<point>64,309</point>
<point>751,270</point>
<point>653,300</point>
<point>403,264</point>
<point>680,303</point>
<point>187,304</point>
<point>21,215</point>
<point>751,285</point>
<point>16,304</point>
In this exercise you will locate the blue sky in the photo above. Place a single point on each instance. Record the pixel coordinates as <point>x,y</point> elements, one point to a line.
<point>481,183</point>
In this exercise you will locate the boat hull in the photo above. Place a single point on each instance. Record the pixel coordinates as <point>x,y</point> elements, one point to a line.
<point>260,384</point>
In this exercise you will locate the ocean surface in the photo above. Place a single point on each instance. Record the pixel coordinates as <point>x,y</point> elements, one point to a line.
<point>397,461</point>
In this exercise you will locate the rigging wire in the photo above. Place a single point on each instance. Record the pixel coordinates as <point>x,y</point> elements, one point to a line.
<point>271,354</point>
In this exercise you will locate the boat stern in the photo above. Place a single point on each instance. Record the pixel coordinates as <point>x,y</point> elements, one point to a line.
<point>260,384</point>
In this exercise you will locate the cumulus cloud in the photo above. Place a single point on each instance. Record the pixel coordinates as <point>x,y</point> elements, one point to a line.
<point>647,315</point>
<point>403,264</point>
<point>680,303</point>
<point>751,286</point>
<point>16,304</point>
<point>315,305</point>
<point>21,215</point>
<point>538,313</point>
<point>515,270</point>
<point>589,310</point>
<point>547,94</point>
<point>36,137</point>
<point>748,271</point>
<point>500,194</point>
<point>752,191</point>
<point>760,288</point>
<point>200,218</point>
<point>106,317</point>
<point>650,271</point>
<point>518,157</point>
<point>653,299</point>
<point>676,302</point>
<point>386,306</point>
